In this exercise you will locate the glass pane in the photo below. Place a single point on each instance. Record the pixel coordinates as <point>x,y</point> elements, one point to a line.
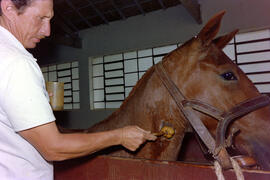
<point>44,69</point>
<point>45,75</point>
<point>256,46</point>
<point>145,63</point>
<point>65,79</point>
<point>98,70</point>
<point>157,59</point>
<point>229,51</point>
<point>68,99</point>
<point>145,52</point>
<point>111,58</point>
<point>114,89</point>
<point>141,74</point>
<point>64,73</point>
<point>52,68</point>
<point>255,78</point>
<point>76,96</point>
<point>130,55</point>
<point>75,64</point>
<point>63,66</point>
<point>263,88</point>
<point>254,57</point>
<point>99,105</point>
<point>67,86</point>
<point>67,93</point>
<point>67,106</point>
<point>76,105</point>
<point>117,81</point>
<point>98,95</point>
<point>164,49</point>
<point>75,73</point>
<point>98,82</point>
<point>52,76</point>
<point>131,79</point>
<point>131,65</point>
<point>111,74</point>
<point>75,85</point>
<point>97,60</point>
<point>113,66</point>
<point>115,97</point>
<point>127,91</point>
<point>113,104</point>
<point>252,35</point>
<point>255,67</point>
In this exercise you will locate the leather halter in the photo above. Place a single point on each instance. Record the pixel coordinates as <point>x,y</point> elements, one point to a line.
<point>216,147</point>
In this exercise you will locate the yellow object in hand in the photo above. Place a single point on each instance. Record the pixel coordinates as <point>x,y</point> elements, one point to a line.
<point>165,131</point>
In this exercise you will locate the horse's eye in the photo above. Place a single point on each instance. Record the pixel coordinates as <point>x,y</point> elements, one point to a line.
<point>229,76</point>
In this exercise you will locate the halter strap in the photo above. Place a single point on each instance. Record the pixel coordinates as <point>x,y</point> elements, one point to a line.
<point>218,147</point>
<point>186,110</point>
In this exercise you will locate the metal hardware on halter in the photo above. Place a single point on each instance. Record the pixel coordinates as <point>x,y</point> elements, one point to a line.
<point>216,147</point>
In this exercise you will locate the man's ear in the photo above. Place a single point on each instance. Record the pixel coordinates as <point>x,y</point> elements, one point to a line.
<point>8,9</point>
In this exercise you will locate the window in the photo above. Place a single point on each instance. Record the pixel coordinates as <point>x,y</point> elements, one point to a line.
<point>69,74</point>
<point>253,57</point>
<point>114,76</point>
<point>251,52</point>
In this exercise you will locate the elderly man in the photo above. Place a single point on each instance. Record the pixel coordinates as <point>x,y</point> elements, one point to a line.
<point>29,138</point>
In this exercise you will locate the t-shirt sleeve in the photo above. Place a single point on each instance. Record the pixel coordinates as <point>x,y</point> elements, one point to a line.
<point>25,101</point>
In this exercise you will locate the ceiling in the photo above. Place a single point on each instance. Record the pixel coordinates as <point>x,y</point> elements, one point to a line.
<point>71,16</point>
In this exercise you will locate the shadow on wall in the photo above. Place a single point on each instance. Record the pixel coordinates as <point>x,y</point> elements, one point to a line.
<point>44,52</point>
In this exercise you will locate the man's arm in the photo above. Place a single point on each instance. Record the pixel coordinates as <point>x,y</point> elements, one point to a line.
<point>55,146</point>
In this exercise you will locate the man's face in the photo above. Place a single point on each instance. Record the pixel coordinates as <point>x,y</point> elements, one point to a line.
<point>33,23</point>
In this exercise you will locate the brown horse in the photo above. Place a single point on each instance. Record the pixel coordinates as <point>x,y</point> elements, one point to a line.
<point>201,71</point>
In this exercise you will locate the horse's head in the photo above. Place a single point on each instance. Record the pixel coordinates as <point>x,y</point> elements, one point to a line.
<point>202,71</point>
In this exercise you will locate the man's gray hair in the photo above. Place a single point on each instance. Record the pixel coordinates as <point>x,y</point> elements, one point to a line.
<point>19,4</point>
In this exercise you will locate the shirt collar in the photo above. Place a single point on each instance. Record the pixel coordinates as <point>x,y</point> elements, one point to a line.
<point>9,38</point>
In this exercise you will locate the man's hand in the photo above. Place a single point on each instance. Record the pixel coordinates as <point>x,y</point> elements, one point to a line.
<point>133,137</point>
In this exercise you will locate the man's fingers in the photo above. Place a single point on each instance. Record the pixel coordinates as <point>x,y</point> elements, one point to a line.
<point>133,137</point>
<point>147,135</point>
<point>150,137</point>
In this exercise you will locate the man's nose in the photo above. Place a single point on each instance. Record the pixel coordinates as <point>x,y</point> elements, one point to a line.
<point>46,29</point>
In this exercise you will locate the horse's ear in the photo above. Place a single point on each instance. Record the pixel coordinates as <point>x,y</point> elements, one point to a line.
<point>222,41</point>
<point>210,30</point>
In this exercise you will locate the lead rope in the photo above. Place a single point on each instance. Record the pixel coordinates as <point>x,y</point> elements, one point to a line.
<point>218,170</point>
<point>236,167</point>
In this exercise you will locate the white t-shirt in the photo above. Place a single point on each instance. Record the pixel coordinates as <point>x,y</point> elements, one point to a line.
<point>24,104</point>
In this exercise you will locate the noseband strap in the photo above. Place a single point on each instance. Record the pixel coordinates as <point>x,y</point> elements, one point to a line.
<point>236,112</point>
<point>225,118</point>
<point>216,147</point>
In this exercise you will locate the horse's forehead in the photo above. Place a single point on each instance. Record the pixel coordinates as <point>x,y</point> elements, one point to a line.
<point>216,56</point>
<point>194,52</point>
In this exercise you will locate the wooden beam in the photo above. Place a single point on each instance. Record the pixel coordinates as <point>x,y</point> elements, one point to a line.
<point>193,7</point>
<point>78,12</point>
<point>161,4</point>
<point>139,6</point>
<point>118,10</point>
<point>99,13</point>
